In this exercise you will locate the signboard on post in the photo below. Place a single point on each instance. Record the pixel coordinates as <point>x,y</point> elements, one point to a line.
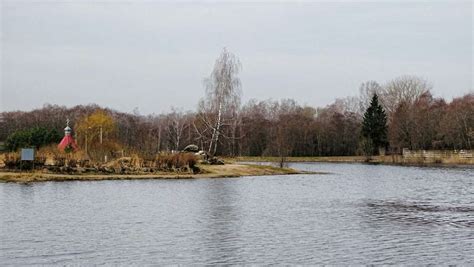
<point>27,154</point>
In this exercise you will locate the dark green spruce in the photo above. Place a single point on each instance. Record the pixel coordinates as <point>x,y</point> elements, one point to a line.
<point>374,126</point>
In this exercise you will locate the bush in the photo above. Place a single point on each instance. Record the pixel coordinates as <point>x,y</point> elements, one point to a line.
<point>34,137</point>
<point>12,161</point>
<point>178,161</point>
<point>97,152</point>
<point>61,158</point>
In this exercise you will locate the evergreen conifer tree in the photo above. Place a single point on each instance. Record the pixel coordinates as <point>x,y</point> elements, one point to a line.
<point>374,125</point>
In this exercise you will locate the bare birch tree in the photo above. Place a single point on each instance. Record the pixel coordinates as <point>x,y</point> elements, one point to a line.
<point>177,124</point>
<point>222,100</point>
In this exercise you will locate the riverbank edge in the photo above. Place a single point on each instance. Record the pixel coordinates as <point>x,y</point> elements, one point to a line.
<point>232,170</point>
<point>384,160</point>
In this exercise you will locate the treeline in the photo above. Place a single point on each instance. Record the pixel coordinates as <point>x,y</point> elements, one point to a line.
<point>269,127</point>
<point>221,125</point>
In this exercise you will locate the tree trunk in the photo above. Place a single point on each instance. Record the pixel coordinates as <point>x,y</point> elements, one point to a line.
<point>216,131</point>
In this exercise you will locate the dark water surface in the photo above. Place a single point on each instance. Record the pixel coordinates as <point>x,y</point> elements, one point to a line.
<point>358,214</point>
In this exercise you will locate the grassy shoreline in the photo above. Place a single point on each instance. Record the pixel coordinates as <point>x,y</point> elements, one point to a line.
<point>386,160</point>
<point>234,168</point>
<point>208,171</point>
<point>299,159</point>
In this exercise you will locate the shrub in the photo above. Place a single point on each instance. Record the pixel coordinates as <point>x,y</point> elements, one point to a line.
<point>12,160</point>
<point>178,161</point>
<point>60,158</point>
<point>34,137</point>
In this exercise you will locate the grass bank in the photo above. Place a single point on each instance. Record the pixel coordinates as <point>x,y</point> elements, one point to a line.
<point>299,159</point>
<point>207,171</point>
<point>426,159</point>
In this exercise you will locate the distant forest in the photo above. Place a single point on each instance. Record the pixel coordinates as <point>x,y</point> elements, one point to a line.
<point>223,126</point>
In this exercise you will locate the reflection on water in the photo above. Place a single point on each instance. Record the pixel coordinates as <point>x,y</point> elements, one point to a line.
<point>359,214</point>
<point>222,223</point>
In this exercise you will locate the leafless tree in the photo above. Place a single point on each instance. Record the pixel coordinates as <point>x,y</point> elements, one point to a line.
<point>366,92</point>
<point>350,104</point>
<point>403,89</point>
<point>222,100</point>
<point>457,125</point>
<point>177,124</point>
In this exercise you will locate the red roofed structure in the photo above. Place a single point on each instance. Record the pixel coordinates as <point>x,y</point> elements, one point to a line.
<point>68,141</point>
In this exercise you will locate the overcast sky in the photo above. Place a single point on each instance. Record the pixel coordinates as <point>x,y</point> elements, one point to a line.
<point>156,55</point>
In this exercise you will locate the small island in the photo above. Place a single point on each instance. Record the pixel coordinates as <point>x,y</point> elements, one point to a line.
<point>207,171</point>
<point>67,162</point>
<point>104,158</point>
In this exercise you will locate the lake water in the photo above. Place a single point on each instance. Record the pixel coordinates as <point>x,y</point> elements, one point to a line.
<point>358,214</point>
